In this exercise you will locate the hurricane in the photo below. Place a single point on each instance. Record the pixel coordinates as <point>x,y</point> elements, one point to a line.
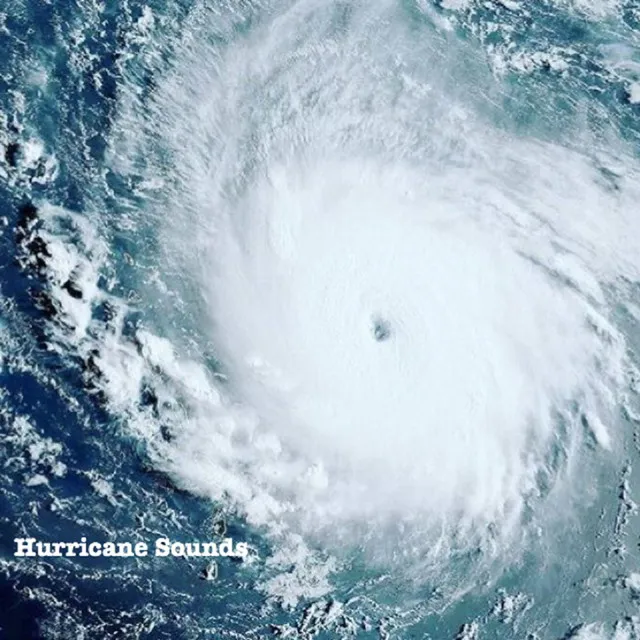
<point>354,282</point>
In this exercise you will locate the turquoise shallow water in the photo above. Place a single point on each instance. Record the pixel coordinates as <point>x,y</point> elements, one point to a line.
<point>208,212</point>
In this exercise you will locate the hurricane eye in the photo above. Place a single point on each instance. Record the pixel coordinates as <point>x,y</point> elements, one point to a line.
<point>381,329</point>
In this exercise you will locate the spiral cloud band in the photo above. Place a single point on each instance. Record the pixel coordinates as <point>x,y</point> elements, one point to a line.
<point>410,307</point>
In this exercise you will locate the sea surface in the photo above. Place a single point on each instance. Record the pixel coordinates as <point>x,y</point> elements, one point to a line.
<point>356,282</point>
